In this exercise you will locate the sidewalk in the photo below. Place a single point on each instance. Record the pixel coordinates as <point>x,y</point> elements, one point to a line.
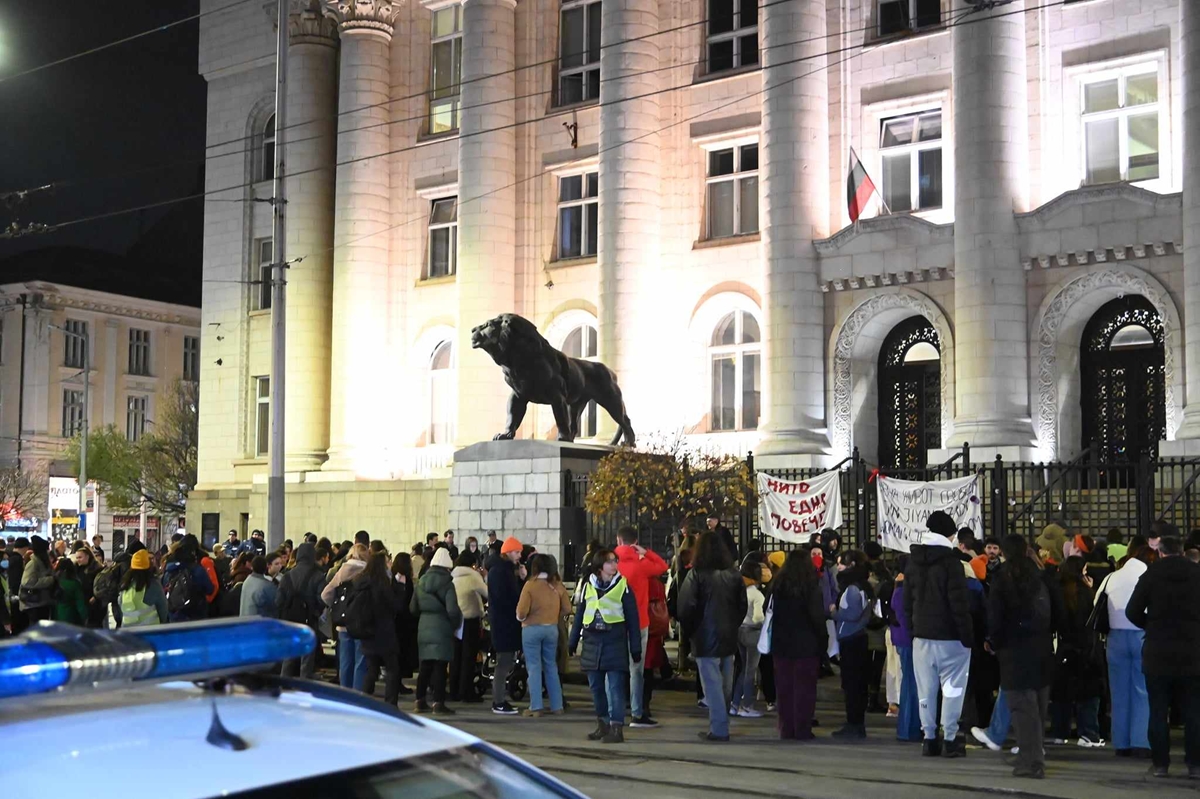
<point>671,762</point>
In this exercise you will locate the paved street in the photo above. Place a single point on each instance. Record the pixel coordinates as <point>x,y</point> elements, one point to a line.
<point>670,762</point>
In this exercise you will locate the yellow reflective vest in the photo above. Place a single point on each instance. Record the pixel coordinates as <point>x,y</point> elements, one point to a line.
<point>134,611</point>
<point>609,605</point>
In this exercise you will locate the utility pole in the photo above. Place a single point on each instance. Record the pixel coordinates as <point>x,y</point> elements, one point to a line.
<point>275,497</point>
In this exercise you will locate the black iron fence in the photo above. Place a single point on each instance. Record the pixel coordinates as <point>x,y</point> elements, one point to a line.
<point>1085,495</point>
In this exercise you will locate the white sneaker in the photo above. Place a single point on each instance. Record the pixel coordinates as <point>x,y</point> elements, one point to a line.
<point>981,735</point>
<point>1016,750</point>
<point>702,703</point>
<point>770,707</point>
<point>1088,743</point>
<point>733,710</point>
<point>749,713</point>
<point>1056,741</point>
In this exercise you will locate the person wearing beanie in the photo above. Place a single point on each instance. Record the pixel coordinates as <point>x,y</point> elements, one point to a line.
<point>435,605</point>
<point>504,577</point>
<point>142,599</point>
<point>36,594</point>
<point>937,607</point>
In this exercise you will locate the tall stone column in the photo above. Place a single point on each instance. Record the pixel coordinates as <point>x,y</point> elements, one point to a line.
<point>312,106</point>
<point>1190,47</point>
<point>629,178</point>
<point>991,184</point>
<point>360,232</point>
<point>795,202</point>
<point>486,208</point>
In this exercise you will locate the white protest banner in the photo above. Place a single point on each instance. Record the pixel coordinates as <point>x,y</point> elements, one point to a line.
<point>905,505</point>
<point>792,510</point>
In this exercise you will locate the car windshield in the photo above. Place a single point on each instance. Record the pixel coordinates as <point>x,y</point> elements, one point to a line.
<point>472,773</point>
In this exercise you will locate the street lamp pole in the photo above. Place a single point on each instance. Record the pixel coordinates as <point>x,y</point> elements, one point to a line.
<point>275,484</point>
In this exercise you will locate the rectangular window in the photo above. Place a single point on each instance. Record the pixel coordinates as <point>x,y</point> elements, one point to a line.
<point>72,412</point>
<point>139,352</point>
<point>443,237</point>
<point>910,148</point>
<point>1120,125</point>
<point>191,358</point>
<point>263,252</point>
<point>445,70</point>
<point>579,52</point>
<point>732,191</point>
<point>578,215</point>
<point>732,34</point>
<point>899,16</point>
<point>135,416</point>
<point>75,341</point>
<point>262,415</point>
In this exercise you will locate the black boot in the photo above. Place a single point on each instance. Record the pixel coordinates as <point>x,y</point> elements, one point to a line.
<point>956,747</point>
<point>851,732</point>
<point>616,735</point>
<point>931,747</point>
<point>601,730</point>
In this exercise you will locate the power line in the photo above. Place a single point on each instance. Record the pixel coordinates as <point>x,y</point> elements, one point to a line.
<point>124,40</point>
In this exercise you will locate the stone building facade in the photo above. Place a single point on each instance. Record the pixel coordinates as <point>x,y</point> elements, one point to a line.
<point>661,184</point>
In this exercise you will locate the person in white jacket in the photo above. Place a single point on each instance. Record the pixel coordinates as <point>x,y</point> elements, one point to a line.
<point>472,593</point>
<point>1127,682</point>
<point>742,701</point>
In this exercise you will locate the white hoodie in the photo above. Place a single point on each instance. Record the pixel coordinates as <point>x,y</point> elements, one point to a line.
<point>1119,588</point>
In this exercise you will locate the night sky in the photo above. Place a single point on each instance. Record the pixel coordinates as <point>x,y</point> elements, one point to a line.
<point>122,110</point>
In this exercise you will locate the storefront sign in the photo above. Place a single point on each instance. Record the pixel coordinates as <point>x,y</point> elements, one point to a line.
<point>792,510</point>
<point>905,505</point>
<point>64,494</point>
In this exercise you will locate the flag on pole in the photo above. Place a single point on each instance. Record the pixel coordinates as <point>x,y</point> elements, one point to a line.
<point>859,187</point>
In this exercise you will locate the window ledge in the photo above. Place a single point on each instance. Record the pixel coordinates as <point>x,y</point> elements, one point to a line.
<point>564,263</point>
<point>558,109</point>
<point>713,77</point>
<point>434,138</point>
<point>727,241</point>
<point>905,35</point>
<point>260,312</point>
<point>263,461</point>
<point>436,281</point>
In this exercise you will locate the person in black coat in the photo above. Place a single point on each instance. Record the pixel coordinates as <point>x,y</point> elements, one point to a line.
<point>382,649</point>
<point>504,577</point>
<point>299,600</point>
<point>715,525</point>
<point>406,626</point>
<point>798,640</point>
<point>1020,632</point>
<point>1079,660</point>
<point>1166,604</point>
<point>712,604</point>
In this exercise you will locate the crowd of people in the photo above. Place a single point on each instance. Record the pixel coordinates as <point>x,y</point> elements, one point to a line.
<point>1040,641</point>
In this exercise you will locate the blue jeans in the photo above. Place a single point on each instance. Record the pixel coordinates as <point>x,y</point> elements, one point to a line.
<point>352,665</point>
<point>637,679</point>
<point>539,643</point>
<point>716,676</point>
<point>608,695</point>
<point>908,723</point>
<point>997,730</point>
<point>1130,702</point>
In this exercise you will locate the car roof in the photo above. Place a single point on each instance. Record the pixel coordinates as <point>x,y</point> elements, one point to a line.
<point>103,742</point>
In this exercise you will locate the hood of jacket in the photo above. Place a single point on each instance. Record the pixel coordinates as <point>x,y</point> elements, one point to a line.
<point>435,579</point>
<point>306,554</point>
<point>932,549</point>
<point>461,571</point>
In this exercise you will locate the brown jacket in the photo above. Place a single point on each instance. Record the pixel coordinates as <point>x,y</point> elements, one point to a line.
<point>542,602</point>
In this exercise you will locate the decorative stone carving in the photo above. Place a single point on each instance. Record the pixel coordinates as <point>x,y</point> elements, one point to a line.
<point>364,15</point>
<point>1128,282</point>
<point>308,24</point>
<point>843,356</point>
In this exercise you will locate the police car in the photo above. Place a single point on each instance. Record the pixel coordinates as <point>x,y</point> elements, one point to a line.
<point>183,711</point>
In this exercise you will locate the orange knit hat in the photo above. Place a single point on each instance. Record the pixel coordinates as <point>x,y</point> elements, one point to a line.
<point>511,544</point>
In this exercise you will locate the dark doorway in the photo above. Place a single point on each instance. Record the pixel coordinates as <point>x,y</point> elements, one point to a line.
<point>910,395</point>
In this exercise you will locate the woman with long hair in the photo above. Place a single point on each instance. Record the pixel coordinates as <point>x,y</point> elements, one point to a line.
<point>851,613</point>
<point>406,626</point>
<point>1079,671</point>
<point>382,648</point>
<point>908,715</point>
<point>69,602</point>
<point>543,602</point>
<point>1126,680</point>
<point>797,643</point>
<point>141,596</point>
<point>1020,626</point>
<point>472,596</point>
<point>352,663</point>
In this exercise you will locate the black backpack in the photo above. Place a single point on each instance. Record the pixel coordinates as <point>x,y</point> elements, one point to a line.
<point>179,589</point>
<point>341,603</point>
<point>360,611</point>
<point>298,608</point>
<point>107,585</point>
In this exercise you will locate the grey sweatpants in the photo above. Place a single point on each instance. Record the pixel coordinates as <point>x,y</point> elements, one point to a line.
<point>944,666</point>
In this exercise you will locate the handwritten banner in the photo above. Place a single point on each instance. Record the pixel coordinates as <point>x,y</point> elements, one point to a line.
<point>905,505</point>
<point>792,510</point>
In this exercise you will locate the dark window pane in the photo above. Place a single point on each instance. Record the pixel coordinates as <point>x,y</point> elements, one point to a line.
<point>747,13</point>
<point>749,49</point>
<point>720,56</point>
<point>593,84</point>
<point>571,41</point>
<point>593,227</point>
<point>571,89</point>
<point>570,223</point>
<point>929,164</point>
<point>897,181</point>
<point>593,33</point>
<point>751,391</point>
<point>929,12</point>
<point>893,17</point>
<point>570,188</point>
<point>749,158</point>
<point>720,162</point>
<point>592,184</point>
<point>720,209</point>
<point>748,188</point>
<point>720,16</point>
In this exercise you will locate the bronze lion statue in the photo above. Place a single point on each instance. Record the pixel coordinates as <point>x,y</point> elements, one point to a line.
<point>538,373</point>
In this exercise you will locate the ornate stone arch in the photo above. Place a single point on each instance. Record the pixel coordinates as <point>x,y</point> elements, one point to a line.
<point>854,349</point>
<point>1054,360</point>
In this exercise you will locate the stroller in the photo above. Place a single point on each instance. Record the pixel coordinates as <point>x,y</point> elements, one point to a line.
<point>485,670</point>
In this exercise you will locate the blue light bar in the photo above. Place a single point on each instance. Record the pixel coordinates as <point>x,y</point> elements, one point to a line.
<point>51,657</point>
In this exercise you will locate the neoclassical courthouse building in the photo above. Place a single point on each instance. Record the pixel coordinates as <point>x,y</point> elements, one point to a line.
<point>662,184</point>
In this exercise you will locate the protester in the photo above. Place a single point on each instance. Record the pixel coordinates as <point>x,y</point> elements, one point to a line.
<point>908,712</point>
<point>939,614</point>
<point>299,600</point>
<point>1126,681</point>
<point>638,566</point>
<point>1164,604</point>
<point>878,649</point>
<point>352,664</point>
<point>406,626</point>
<point>186,582</point>
<point>86,569</point>
<point>382,648</point>
<point>448,543</point>
<point>742,699</point>
<point>712,604</point>
<point>1115,540</point>
<point>850,615</point>
<point>256,545</point>
<point>472,593</point>
<point>418,558</point>
<point>69,605</point>
<point>797,641</point>
<point>142,600</point>
<point>1079,670</point>
<point>985,565</point>
<point>504,578</point>
<point>604,617</point>
<point>1020,625</point>
<point>36,594</point>
<point>543,602</point>
<point>222,563</point>
<point>435,604</point>
<point>715,525</point>
<point>97,549</point>
<point>259,591</point>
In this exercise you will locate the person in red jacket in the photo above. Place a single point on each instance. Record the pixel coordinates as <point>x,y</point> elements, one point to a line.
<point>638,566</point>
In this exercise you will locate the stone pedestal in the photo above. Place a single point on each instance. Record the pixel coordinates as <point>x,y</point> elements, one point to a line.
<point>517,488</point>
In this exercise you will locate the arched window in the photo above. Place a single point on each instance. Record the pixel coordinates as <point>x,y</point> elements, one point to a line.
<point>735,352</point>
<point>581,343</point>
<point>441,394</point>
<point>1123,380</point>
<point>910,394</point>
<point>266,151</point>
